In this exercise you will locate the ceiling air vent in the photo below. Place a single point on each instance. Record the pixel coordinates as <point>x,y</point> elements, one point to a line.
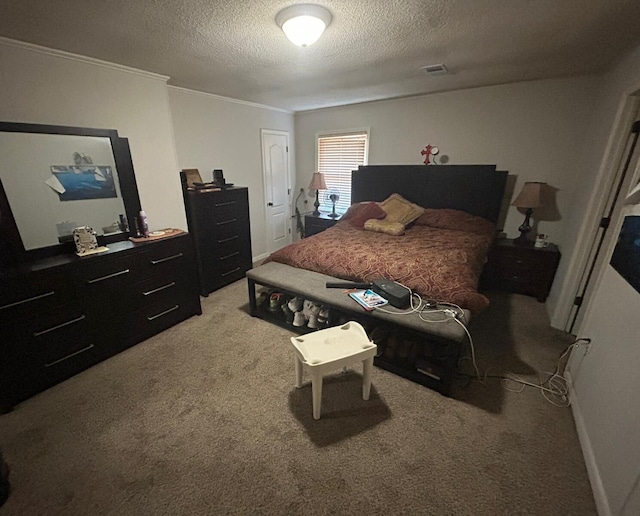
<point>436,69</point>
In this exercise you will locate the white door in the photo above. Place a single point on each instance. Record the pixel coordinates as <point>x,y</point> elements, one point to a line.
<point>277,190</point>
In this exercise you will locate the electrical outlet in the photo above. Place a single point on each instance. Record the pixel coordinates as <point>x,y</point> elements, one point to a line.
<point>585,343</point>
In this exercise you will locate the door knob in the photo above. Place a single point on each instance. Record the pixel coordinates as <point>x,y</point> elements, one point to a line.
<point>269,204</point>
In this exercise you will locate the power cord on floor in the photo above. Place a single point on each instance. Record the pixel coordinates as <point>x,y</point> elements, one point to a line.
<point>554,389</point>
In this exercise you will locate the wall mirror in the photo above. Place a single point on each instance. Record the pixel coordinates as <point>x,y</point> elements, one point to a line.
<point>56,178</point>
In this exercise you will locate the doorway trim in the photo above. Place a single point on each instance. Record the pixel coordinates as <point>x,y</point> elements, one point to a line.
<point>611,163</point>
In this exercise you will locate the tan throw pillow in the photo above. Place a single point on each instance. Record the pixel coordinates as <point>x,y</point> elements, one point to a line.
<point>384,226</point>
<point>398,209</point>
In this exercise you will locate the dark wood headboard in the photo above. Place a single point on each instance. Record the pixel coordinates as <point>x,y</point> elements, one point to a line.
<point>476,189</point>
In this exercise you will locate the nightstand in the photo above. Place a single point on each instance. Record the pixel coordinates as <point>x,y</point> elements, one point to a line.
<point>522,268</point>
<point>317,223</point>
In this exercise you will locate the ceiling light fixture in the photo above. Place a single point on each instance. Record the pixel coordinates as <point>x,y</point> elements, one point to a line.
<point>303,24</point>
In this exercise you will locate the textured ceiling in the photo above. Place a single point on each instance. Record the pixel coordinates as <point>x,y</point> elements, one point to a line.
<point>372,50</point>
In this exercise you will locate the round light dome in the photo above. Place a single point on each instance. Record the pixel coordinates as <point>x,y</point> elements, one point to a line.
<point>303,24</point>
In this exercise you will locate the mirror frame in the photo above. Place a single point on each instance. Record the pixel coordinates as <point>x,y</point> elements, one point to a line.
<point>126,178</point>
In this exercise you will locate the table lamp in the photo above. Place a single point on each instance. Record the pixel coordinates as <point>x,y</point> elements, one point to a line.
<point>317,183</point>
<point>530,197</point>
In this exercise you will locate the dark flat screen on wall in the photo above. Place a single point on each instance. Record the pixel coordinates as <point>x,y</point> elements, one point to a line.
<point>626,255</point>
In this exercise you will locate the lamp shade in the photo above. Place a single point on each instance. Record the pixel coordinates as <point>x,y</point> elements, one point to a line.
<point>530,196</point>
<point>303,24</point>
<point>317,182</point>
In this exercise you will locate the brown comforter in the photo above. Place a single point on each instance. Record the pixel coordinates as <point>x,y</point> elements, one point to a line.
<point>440,257</point>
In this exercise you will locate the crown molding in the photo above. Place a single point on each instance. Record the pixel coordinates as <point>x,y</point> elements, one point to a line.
<point>82,59</point>
<point>229,99</point>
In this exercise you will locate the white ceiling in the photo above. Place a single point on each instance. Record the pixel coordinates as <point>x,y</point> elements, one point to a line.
<point>372,50</point>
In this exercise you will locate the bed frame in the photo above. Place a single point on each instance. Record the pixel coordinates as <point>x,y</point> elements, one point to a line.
<point>476,189</point>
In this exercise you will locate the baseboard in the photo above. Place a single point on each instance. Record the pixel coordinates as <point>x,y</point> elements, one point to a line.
<point>599,494</point>
<point>258,259</point>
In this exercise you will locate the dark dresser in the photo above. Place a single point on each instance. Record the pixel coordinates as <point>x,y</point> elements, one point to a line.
<point>62,314</point>
<point>218,220</point>
<point>522,268</point>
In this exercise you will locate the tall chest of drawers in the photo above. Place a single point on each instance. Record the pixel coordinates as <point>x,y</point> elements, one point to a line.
<point>61,315</point>
<point>219,223</point>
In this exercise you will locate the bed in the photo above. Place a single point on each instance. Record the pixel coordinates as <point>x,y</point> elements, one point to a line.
<point>439,255</point>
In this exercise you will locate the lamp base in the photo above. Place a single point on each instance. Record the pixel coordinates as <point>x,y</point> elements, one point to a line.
<point>316,205</point>
<point>524,229</point>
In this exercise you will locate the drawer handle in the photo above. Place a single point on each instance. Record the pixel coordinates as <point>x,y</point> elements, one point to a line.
<point>229,256</point>
<point>168,285</point>
<point>162,260</point>
<point>69,356</point>
<point>225,203</point>
<point>97,280</point>
<point>53,328</point>
<point>163,313</point>
<point>230,272</point>
<point>230,221</point>
<point>34,298</point>
<point>227,239</point>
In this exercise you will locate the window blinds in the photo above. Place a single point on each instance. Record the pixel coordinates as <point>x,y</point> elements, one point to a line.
<point>338,155</point>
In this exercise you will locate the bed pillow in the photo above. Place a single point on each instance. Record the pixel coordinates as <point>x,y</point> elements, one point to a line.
<point>447,218</point>
<point>362,212</point>
<point>398,209</point>
<point>384,226</point>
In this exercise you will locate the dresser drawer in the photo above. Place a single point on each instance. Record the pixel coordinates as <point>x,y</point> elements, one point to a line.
<point>49,336</point>
<point>165,257</point>
<point>34,293</point>
<point>158,316</point>
<point>157,288</point>
<point>103,275</point>
<point>227,207</point>
<point>508,259</point>
<point>513,272</point>
<point>227,230</point>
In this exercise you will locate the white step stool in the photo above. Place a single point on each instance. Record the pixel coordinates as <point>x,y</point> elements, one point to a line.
<point>332,348</point>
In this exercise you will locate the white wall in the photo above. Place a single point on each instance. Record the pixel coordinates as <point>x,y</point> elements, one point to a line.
<point>605,380</point>
<point>213,132</point>
<point>49,87</point>
<point>539,131</point>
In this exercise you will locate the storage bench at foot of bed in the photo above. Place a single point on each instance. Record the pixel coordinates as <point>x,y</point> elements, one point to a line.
<point>426,353</point>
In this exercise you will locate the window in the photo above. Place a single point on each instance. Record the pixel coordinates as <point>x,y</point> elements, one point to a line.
<point>338,155</point>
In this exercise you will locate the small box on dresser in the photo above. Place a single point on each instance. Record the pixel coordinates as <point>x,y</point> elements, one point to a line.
<point>218,220</point>
<point>522,268</point>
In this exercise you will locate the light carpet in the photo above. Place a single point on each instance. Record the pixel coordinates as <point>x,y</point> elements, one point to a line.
<point>205,419</point>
